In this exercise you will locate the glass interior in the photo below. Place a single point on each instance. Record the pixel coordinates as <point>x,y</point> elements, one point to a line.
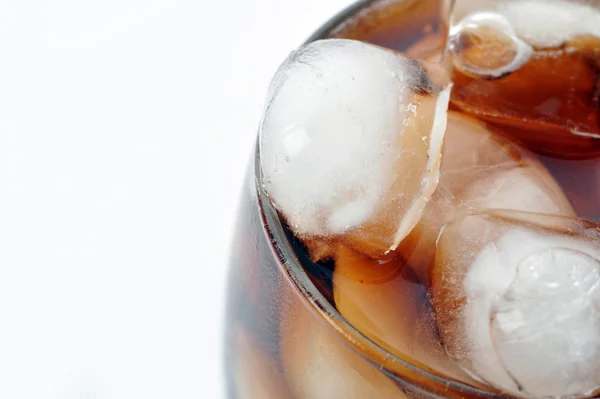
<point>394,367</point>
<point>361,18</point>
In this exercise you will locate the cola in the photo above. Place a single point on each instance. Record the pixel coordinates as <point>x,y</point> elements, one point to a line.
<point>475,269</point>
<point>545,94</point>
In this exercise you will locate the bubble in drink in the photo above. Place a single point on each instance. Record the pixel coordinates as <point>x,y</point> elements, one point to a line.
<point>517,300</point>
<point>350,143</point>
<point>532,66</point>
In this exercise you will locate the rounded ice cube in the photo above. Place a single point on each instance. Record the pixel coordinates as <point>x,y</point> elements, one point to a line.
<point>531,66</point>
<point>540,23</point>
<point>480,170</point>
<point>350,142</point>
<point>517,301</point>
<point>485,44</point>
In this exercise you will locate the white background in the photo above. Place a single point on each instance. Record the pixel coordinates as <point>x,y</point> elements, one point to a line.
<point>125,126</point>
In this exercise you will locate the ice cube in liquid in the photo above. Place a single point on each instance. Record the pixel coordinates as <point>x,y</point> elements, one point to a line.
<point>536,120</point>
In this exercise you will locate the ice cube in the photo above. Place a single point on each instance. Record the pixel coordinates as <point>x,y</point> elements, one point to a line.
<point>255,374</point>
<point>480,170</point>
<point>386,302</point>
<point>319,365</point>
<point>350,142</point>
<point>517,300</point>
<point>540,23</point>
<point>486,44</point>
<point>520,189</point>
<point>530,65</point>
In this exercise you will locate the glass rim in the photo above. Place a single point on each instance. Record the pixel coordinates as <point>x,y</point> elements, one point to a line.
<point>395,367</point>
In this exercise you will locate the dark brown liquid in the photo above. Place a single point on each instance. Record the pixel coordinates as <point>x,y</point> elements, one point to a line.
<point>398,25</point>
<point>262,311</point>
<point>552,103</point>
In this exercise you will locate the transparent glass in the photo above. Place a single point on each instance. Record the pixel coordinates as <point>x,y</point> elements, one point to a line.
<point>272,299</point>
<point>284,338</point>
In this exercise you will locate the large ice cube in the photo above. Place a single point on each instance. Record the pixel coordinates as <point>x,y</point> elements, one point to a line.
<point>350,142</point>
<point>486,44</point>
<point>517,301</point>
<point>480,170</point>
<point>540,23</point>
<point>531,65</point>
